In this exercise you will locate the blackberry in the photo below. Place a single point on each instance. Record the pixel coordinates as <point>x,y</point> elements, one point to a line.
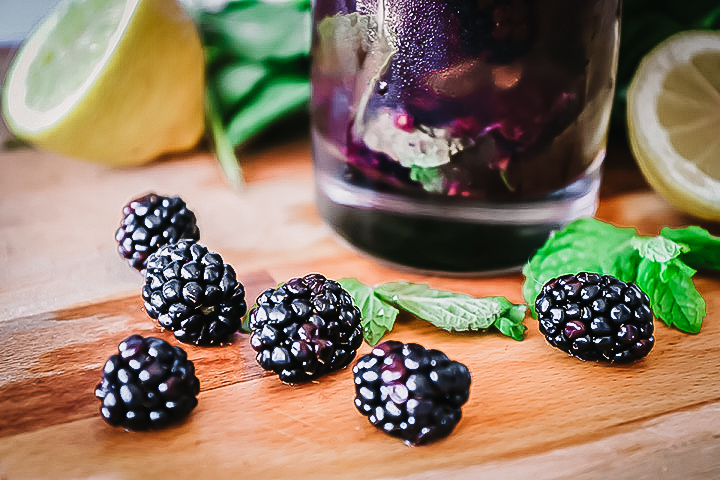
<point>305,328</point>
<point>150,222</point>
<point>192,293</point>
<point>147,384</point>
<point>596,317</point>
<point>411,392</point>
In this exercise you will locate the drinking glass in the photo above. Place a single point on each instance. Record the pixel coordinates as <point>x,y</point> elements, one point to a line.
<point>454,135</point>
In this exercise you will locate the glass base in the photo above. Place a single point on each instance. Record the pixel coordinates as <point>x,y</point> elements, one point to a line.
<point>450,236</point>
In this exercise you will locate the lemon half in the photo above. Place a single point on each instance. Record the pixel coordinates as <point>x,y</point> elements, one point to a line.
<point>673,119</point>
<point>114,81</point>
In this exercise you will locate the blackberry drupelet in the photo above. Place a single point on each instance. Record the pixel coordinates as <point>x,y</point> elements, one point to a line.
<point>305,328</point>
<point>147,384</point>
<point>150,222</point>
<point>596,317</point>
<point>411,392</point>
<point>192,293</point>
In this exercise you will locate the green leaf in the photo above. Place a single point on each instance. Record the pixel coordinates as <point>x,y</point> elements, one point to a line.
<point>234,82</point>
<point>453,311</point>
<point>658,249</point>
<point>258,31</point>
<point>277,99</point>
<point>585,244</point>
<point>709,21</point>
<point>704,248</point>
<point>673,296</point>
<point>623,261</point>
<point>430,177</point>
<point>378,317</point>
<point>512,324</point>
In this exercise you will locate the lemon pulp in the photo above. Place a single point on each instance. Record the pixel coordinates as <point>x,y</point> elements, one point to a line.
<point>49,81</point>
<point>690,110</point>
<point>674,118</point>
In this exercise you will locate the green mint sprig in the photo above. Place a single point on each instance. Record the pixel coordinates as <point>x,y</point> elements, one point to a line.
<point>257,70</point>
<point>662,266</point>
<point>704,249</point>
<point>380,305</point>
<point>378,317</point>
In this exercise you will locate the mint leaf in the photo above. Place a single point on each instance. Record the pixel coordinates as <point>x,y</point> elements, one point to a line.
<point>623,261</point>
<point>668,283</point>
<point>276,99</point>
<point>673,296</point>
<point>585,244</point>
<point>658,249</point>
<point>430,177</point>
<point>258,31</point>
<point>512,324</point>
<point>378,317</point>
<point>454,311</point>
<point>704,248</point>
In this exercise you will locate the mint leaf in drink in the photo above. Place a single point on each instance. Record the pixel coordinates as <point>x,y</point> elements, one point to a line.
<point>378,317</point>
<point>584,245</point>
<point>430,177</point>
<point>454,311</point>
<point>673,296</point>
<point>703,248</point>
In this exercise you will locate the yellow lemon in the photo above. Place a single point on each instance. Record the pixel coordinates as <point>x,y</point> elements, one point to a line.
<point>118,82</point>
<point>673,119</point>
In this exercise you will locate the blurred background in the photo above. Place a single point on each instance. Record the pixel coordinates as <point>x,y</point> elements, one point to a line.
<point>18,17</point>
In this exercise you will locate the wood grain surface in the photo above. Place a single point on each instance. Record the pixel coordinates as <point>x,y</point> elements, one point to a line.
<point>67,299</point>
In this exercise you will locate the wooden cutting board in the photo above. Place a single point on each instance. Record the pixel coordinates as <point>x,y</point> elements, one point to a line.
<point>67,299</point>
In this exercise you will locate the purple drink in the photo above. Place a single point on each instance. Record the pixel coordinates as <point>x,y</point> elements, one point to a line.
<point>478,123</point>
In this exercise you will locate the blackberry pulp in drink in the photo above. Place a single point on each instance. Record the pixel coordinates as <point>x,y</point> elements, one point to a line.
<point>454,135</point>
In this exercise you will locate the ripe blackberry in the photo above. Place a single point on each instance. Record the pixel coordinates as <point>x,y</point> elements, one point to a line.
<point>596,317</point>
<point>411,392</point>
<point>193,294</point>
<point>147,384</point>
<point>150,222</point>
<point>305,328</point>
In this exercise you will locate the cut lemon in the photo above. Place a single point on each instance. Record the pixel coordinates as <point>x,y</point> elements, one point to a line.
<point>673,119</point>
<point>114,81</point>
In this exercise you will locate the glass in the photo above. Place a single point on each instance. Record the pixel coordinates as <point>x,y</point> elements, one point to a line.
<point>454,135</point>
